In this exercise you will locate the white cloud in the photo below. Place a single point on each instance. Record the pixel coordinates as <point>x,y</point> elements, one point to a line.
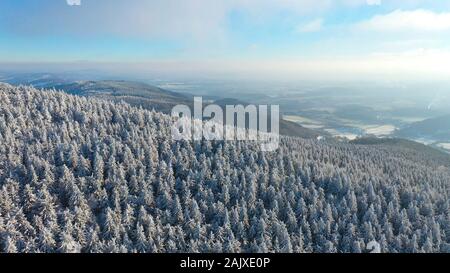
<point>373,2</point>
<point>415,20</point>
<point>73,2</point>
<point>159,18</point>
<point>312,26</point>
<point>166,18</point>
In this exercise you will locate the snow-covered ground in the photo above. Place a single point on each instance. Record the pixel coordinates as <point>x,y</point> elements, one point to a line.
<point>380,130</point>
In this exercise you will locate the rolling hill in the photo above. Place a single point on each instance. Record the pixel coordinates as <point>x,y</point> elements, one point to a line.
<point>435,129</point>
<point>134,93</point>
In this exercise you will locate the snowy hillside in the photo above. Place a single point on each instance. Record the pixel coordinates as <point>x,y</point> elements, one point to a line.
<point>84,175</point>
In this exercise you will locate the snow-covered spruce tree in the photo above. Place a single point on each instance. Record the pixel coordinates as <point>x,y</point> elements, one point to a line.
<point>86,175</point>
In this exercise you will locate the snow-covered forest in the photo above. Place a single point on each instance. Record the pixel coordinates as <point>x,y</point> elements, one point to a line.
<point>87,175</point>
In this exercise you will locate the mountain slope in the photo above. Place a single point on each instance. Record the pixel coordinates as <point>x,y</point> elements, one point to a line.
<point>427,154</point>
<point>86,175</point>
<point>151,97</point>
<point>134,93</point>
<point>437,129</point>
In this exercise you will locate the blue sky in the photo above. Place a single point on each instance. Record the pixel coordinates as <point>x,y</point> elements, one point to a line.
<point>320,38</point>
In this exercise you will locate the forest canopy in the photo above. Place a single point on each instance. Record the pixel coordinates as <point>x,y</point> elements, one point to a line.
<point>88,175</point>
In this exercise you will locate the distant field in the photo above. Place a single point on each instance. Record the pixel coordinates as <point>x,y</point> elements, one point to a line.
<point>329,125</point>
<point>380,130</point>
<point>312,126</point>
<point>445,146</point>
<point>300,119</point>
<point>409,119</point>
<point>336,133</point>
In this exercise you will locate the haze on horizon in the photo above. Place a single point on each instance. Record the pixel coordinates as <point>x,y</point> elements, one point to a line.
<point>257,39</point>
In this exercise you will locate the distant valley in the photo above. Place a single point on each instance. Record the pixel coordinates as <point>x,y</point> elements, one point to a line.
<point>142,95</point>
<point>344,114</point>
